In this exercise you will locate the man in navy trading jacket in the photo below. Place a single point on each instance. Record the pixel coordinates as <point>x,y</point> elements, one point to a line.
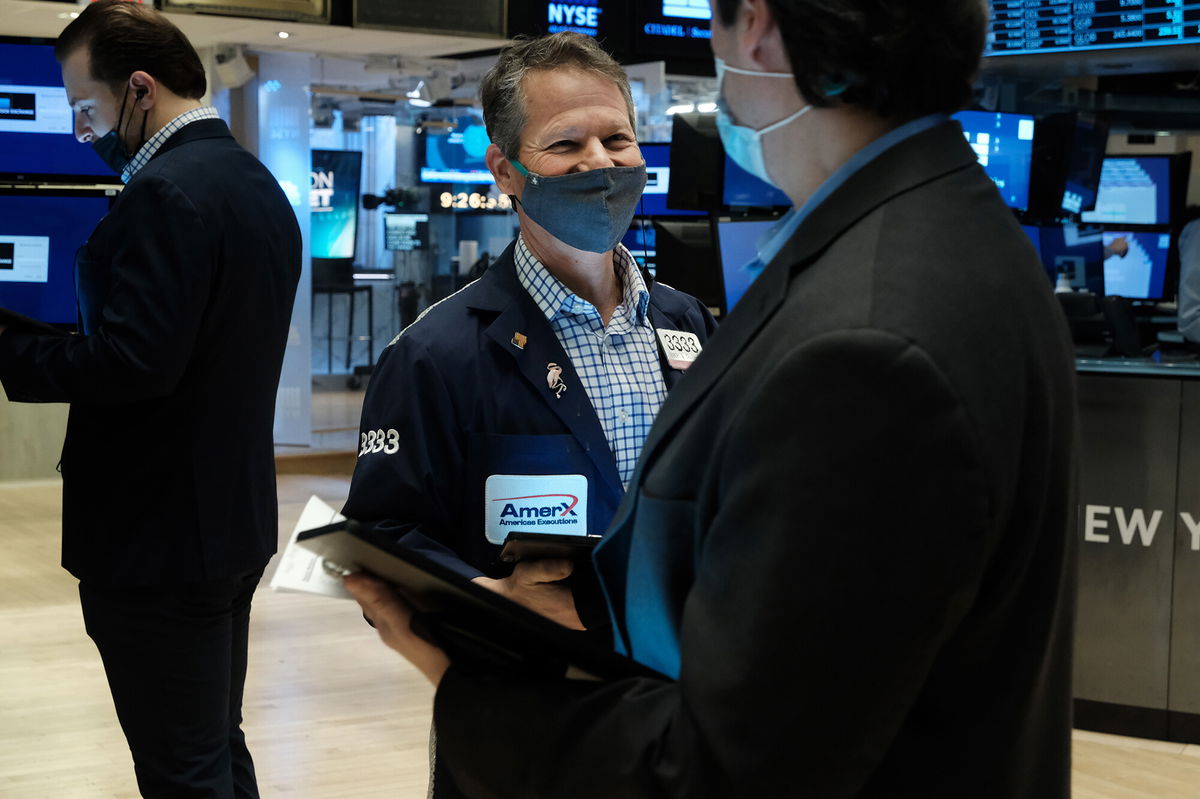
<point>531,390</point>
<point>185,294</point>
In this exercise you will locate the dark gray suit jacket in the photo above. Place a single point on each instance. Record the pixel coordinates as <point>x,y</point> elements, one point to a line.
<point>850,525</point>
<point>185,290</point>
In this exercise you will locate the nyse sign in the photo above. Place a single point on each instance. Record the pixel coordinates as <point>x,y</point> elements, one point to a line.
<point>1103,524</point>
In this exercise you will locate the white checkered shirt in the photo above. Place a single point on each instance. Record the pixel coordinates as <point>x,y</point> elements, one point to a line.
<point>147,151</point>
<point>619,364</point>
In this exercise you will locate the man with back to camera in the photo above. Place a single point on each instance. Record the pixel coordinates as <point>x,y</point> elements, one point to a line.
<point>185,293</point>
<point>847,545</point>
<point>541,378</point>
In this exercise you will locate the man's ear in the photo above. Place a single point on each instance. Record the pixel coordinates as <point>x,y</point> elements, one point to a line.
<point>508,180</point>
<point>145,90</point>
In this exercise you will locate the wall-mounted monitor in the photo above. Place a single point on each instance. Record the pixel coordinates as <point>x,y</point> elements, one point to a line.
<point>456,154</point>
<point>37,133</point>
<point>1135,264</point>
<point>674,30</point>
<point>405,232</point>
<point>1027,27</point>
<point>316,11</point>
<point>446,17</point>
<point>737,241</point>
<point>1134,190</point>
<point>333,196</point>
<point>658,183</point>
<point>1076,250</point>
<point>1003,143</point>
<point>605,20</point>
<point>40,232</point>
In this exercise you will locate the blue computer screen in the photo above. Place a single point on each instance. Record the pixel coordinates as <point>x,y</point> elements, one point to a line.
<point>738,241</point>
<point>1003,143</point>
<point>458,156</point>
<point>1076,250</point>
<point>39,236</point>
<point>743,190</point>
<point>37,134</point>
<point>1135,264</point>
<point>1133,191</point>
<point>333,195</point>
<point>658,179</point>
<point>640,241</point>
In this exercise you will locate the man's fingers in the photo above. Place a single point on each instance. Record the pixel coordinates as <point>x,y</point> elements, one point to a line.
<point>377,599</point>
<point>543,571</point>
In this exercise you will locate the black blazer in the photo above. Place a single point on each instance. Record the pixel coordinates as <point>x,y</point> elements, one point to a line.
<point>186,292</point>
<point>849,525</point>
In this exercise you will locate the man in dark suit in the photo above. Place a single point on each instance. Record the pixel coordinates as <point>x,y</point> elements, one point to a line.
<point>185,296</point>
<point>846,546</point>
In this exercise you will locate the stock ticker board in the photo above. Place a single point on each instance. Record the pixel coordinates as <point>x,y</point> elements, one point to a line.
<point>1023,27</point>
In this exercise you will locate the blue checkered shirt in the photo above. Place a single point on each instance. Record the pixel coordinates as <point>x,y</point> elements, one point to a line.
<point>147,150</point>
<point>619,364</point>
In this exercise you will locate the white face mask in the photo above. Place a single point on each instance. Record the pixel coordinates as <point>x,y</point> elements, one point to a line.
<point>743,144</point>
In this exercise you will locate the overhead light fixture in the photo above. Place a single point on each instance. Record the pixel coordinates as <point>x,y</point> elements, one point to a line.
<point>706,108</point>
<point>420,96</point>
<point>284,35</point>
<point>68,14</point>
<point>682,108</point>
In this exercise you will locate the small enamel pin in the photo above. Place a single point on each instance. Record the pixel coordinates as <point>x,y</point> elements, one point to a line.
<point>518,340</point>
<point>554,380</point>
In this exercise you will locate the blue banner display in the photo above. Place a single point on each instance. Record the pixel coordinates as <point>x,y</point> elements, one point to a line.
<point>333,197</point>
<point>1024,27</point>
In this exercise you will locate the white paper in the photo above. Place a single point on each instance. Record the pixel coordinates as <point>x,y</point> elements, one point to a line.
<point>303,571</point>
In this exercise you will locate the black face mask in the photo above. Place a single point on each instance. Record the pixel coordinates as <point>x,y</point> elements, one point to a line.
<point>110,147</point>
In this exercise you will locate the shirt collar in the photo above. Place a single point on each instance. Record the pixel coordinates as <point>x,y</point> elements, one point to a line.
<point>147,150</point>
<point>772,241</point>
<point>553,298</point>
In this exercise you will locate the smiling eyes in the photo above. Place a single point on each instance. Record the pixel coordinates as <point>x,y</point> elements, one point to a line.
<point>616,141</point>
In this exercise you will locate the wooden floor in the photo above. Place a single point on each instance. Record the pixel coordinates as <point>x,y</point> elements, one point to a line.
<point>329,711</point>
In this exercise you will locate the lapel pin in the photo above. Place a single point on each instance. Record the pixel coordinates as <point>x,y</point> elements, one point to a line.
<point>554,380</point>
<point>519,340</point>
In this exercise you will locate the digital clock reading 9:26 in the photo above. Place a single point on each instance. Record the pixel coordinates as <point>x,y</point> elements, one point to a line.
<point>474,201</point>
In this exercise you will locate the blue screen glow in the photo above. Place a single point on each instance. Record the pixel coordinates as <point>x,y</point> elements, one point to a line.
<point>1133,191</point>
<point>1003,143</point>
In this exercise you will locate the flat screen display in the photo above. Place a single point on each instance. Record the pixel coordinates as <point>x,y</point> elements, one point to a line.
<point>738,242</point>
<point>457,156</point>
<point>743,190</point>
<point>680,28</point>
<point>1133,191</point>
<point>1076,250</point>
<point>37,133</point>
<point>1135,264</point>
<point>333,195</point>
<point>658,182</point>
<point>39,236</point>
<point>1022,27</point>
<point>1003,143</point>
<point>405,232</point>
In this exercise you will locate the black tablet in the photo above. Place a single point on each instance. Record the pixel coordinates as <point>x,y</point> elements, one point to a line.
<point>520,546</point>
<point>470,622</point>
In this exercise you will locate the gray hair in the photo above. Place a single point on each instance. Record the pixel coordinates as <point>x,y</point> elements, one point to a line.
<point>503,90</point>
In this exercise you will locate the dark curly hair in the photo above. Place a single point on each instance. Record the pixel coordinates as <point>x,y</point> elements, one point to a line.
<point>900,59</point>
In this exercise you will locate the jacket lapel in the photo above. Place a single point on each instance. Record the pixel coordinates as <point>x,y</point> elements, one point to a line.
<point>534,352</point>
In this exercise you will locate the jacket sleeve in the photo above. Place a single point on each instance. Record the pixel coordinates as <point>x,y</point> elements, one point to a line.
<point>840,540</point>
<point>410,474</point>
<point>162,270</point>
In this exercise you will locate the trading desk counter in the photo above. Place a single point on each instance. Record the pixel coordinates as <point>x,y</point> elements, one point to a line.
<point>1137,653</point>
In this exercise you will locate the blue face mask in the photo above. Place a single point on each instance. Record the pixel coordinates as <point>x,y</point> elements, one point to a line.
<point>110,147</point>
<point>743,144</point>
<point>589,210</point>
